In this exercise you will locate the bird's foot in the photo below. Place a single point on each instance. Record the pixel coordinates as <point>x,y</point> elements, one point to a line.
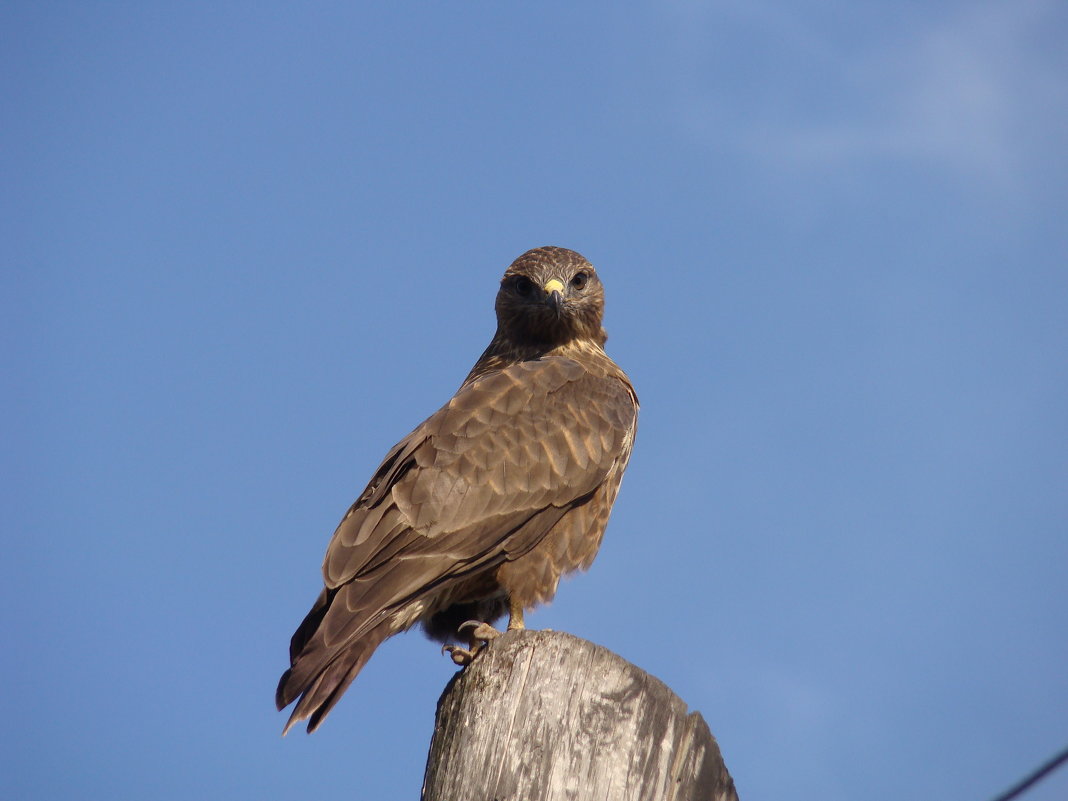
<point>480,631</point>
<point>462,656</point>
<point>481,634</point>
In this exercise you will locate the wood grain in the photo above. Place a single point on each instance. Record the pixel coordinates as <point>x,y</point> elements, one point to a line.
<point>543,715</point>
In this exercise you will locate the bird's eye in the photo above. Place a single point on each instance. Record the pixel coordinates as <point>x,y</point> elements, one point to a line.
<point>579,281</point>
<point>523,286</point>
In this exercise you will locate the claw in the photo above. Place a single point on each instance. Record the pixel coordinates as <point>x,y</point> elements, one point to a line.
<point>480,631</point>
<point>480,634</point>
<point>461,656</point>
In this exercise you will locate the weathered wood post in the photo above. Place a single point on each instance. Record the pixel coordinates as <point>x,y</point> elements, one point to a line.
<point>544,716</point>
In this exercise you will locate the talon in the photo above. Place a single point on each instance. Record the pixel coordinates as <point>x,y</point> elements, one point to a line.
<point>478,635</point>
<point>461,656</point>
<point>480,631</point>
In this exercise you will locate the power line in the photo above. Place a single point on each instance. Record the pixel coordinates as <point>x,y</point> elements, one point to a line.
<point>1035,776</point>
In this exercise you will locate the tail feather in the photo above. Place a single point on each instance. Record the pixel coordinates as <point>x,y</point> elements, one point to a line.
<point>307,628</point>
<point>316,644</point>
<point>319,694</point>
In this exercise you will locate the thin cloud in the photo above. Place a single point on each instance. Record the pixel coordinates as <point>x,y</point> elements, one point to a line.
<point>981,93</point>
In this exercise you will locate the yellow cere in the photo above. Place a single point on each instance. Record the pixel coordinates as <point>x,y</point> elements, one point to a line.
<point>553,285</point>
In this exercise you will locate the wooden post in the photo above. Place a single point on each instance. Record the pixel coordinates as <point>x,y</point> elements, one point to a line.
<point>545,716</point>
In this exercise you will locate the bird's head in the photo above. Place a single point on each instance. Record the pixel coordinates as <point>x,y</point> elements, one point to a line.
<point>550,296</point>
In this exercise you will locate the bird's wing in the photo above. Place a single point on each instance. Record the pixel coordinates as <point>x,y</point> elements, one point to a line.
<point>524,442</point>
<point>479,483</point>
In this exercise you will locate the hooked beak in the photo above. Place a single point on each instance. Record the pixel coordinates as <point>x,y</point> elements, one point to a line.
<point>554,291</point>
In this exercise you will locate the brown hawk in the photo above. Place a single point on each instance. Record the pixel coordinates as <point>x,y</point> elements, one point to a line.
<point>482,508</point>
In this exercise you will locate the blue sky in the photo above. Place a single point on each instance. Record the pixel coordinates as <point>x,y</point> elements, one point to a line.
<point>248,246</point>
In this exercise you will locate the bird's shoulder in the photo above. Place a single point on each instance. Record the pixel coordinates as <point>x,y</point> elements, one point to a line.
<point>571,388</point>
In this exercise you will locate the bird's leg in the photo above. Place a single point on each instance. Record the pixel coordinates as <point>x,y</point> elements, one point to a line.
<point>515,615</point>
<point>481,634</point>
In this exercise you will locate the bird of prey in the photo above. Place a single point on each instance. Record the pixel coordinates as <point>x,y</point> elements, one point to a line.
<point>483,507</point>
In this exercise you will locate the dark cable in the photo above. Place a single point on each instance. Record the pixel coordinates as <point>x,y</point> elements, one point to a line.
<point>1039,774</point>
